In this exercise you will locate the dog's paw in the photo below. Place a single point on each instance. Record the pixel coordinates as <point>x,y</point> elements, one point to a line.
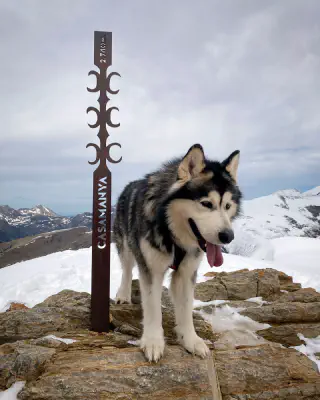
<point>195,345</point>
<point>153,347</point>
<point>122,298</point>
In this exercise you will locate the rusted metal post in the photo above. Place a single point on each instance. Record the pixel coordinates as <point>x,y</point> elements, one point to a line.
<point>101,223</point>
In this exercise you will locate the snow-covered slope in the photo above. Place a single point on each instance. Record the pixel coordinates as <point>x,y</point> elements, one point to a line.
<point>33,281</point>
<point>313,192</point>
<point>283,213</point>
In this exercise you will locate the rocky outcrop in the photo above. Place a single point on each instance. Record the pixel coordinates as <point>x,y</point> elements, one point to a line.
<point>287,307</point>
<point>22,361</point>
<point>240,285</point>
<point>307,295</point>
<point>278,313</point>
<point>66,311</point>
<point>111,373</point>
<point>270,371</point>
<point>287,334</point>
<point>111,366</point>
<point>287,284</point>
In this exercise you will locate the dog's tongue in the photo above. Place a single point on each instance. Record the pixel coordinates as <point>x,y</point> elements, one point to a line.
<point>214,255</point>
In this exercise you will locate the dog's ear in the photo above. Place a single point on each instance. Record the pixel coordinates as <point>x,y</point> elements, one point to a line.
<point>192,163</point>
<point>231,164</point>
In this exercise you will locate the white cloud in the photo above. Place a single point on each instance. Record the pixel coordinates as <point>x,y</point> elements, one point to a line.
<point>224,75</point>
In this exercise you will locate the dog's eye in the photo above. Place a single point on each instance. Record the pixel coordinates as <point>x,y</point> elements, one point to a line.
<point>207,204</point>
<point>228,205</point>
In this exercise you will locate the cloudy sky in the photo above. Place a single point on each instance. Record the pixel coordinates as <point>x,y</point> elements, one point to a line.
<point>233,74</point>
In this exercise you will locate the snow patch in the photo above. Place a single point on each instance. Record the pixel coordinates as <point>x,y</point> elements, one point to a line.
<point>258,300</point>
<point>310,348</point>
<point>228,318</point>
<point>234,329</point>
<point>11,393</point>
<point>66,341</point>
<point>198,303</point>
<point>134,342</point>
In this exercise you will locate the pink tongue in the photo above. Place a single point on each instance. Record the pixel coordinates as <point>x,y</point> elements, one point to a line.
<point>214,255</point>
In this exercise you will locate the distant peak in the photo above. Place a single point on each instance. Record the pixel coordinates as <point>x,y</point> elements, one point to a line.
<point>41,209</point>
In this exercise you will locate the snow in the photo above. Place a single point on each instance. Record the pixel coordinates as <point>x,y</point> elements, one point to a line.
<point>235,329</point>
<point>199,303</point>
<point>284,213</point>
<point>310,348</point>
<point>32,281</point>
<point>227,318</point>
<point>66,341</point>
<point>257,300</point>
<point>11,393</point>
<point>312,192</point>
<point>300,257</point>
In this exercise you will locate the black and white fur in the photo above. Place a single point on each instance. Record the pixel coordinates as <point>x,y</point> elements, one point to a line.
<point>152,217</point>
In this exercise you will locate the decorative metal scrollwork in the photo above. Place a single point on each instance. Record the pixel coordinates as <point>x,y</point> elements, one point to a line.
<point>103,60</point>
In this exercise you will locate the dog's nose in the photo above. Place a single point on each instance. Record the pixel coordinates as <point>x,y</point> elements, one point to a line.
<point>226,236</point>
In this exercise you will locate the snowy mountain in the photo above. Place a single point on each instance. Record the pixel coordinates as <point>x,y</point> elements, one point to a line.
<point>15,224</point>
<point>313,192</point>
<point>38,210</point>
<point>283,213</point>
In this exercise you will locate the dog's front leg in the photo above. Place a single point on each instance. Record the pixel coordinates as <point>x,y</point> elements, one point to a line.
<point>151,278</point>
<point>182,291</point>
<point>152,341</point>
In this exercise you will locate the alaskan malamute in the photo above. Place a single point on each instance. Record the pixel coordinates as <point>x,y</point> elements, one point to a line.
<point>169,219</point>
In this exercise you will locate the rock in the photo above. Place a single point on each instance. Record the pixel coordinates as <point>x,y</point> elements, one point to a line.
<point>240,285</point>
<point>110,366</point>
<point>286,282</point>
<point>212,274</point>
<point>69,311</point>
<point>280,313</point>
<point>17,306</point>
<point>121,374</point>
<point>268,284</point>
<point>136,297</point>
<point>127,319</point>
<point>51,341</point>
<point>307,295</point>
<point>210,290</point>
<point>63,312</point>
<point>22,361</point>
<point>286,334</point>
<point>236,339</point>
<point>69,300</point>
<point>267,372</point>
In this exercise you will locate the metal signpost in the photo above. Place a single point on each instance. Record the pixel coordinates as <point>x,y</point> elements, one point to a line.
<point>101,224</point>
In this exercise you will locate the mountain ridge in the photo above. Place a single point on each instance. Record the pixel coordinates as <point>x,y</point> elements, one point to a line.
<point>23,222</point>
<point>283,213</point>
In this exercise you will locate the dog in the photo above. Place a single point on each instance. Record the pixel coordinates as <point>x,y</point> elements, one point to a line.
<point>172,217</point>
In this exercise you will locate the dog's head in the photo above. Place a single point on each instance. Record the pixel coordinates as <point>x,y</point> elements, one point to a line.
<point>203,202</point>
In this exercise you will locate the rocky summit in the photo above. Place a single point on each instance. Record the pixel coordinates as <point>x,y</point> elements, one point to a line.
<point>51,347</point>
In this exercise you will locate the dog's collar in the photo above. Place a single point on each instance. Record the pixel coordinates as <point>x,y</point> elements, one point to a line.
<point>179,255</point>
<point>197,234</point>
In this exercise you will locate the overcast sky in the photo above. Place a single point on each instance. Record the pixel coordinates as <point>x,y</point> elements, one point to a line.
<point>232,74</point>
